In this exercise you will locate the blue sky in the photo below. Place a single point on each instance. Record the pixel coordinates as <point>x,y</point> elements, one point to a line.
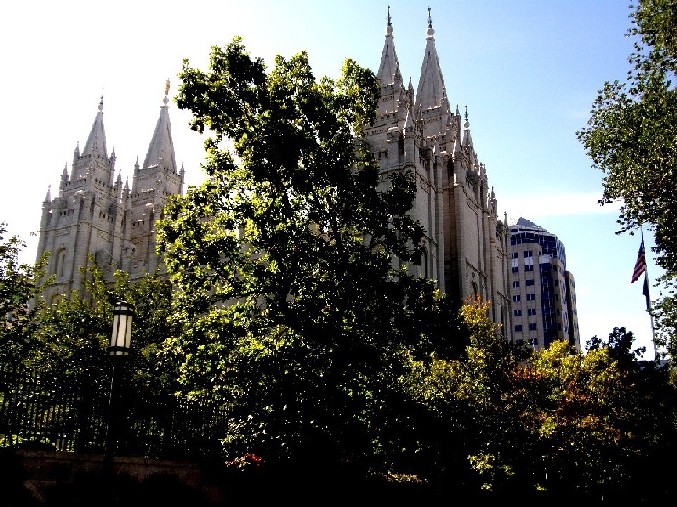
<point>527,70</point>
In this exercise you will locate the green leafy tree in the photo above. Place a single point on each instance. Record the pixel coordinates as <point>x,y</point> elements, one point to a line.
<point>477,447</point>
<point>71,334</point>
<point>70,338</point>
<point>289,264</point>
<point>151,298</point>
<point>547,424</point>
<point>632,137</point>
<point>18,302</point>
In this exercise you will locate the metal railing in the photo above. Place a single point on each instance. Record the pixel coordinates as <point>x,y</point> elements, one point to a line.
<point>39,411</point>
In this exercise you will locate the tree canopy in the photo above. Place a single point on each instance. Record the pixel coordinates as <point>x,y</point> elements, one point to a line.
<point>18,287</point>
<point>290,262</point>
<point>631,137</point>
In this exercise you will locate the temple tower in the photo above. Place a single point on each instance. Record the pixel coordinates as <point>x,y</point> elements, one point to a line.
<point>466,245</point>
<point>95,218</point>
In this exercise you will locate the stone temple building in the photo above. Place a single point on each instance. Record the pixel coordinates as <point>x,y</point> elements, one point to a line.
<point>466,245</point>
<point>96,218</point>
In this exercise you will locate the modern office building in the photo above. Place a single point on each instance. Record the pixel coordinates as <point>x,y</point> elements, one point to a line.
<point>543,291</point>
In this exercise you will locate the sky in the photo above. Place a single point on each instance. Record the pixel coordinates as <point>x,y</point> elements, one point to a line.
<point>528,72</point>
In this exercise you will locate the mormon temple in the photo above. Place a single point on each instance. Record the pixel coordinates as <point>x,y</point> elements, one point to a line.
<point>95,217</point>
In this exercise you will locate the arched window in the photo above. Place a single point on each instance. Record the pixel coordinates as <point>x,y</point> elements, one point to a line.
<point>60,269</point>
<point>424,262</point>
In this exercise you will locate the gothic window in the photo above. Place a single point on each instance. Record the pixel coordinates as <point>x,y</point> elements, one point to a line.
<point>60,268</point>
<point>425,263</point>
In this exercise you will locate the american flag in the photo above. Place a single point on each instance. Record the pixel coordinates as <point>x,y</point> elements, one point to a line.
<point>640,265</point>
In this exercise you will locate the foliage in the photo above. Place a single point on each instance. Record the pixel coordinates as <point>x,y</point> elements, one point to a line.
<point>474,445</point>
<point>18,288</point>
<point>631,137</point>
<point>552,423</point>
<point>619,345</point>
<point>289,264</point>
<point>71,336</point>
<point>151,299</point>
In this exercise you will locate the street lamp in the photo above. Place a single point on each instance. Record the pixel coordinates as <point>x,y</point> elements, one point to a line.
<point>118,350</point>
<point>121,337</point>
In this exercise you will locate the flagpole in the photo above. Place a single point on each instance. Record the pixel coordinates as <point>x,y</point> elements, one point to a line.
<point>648,300</point>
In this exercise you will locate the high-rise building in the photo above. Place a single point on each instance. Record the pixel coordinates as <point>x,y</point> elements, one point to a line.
<point>543,291</point>
<point>95,218</point>
<point>466,245</point>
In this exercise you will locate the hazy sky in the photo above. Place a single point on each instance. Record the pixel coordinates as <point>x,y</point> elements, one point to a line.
<point>528,72</point>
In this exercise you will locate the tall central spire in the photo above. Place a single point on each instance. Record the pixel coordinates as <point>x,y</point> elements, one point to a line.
<point>389,70</point>
<point>96,142</point>
<point>161,147</point>
<point>431,92</point>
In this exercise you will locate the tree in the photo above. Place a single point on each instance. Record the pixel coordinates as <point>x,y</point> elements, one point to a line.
<point>68,348</point>
<point>547,424</point>
<point>18,288</point>
<point>619,345</point>
<point>478,444</point>
<point>290,264</point>
<point>631,137</point>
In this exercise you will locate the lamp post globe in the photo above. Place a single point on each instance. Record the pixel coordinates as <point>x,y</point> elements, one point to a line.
<point>121,336</point>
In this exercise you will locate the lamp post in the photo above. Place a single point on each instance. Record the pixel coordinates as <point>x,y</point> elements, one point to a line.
<point>118,350</point>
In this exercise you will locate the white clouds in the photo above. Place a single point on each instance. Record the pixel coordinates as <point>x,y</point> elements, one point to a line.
<point>542,205</point>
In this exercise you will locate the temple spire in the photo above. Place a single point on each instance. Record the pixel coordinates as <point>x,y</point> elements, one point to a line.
<point>431,92</point>
<point>467,138</point>
<point>161,147</point>
<point>389,69</point>
<point>96,142</point>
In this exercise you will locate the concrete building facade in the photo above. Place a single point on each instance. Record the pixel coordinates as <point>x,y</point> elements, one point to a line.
<point>543,291</point>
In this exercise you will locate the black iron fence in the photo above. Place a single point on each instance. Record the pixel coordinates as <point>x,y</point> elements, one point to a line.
<point>40,411</point>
